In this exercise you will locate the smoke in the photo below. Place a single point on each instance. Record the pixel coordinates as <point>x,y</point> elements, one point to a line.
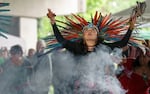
<point>40,80</point>
<point>90,74</point>
<point>64,72</point>
<point>13,78</point>
<point>23,79</point>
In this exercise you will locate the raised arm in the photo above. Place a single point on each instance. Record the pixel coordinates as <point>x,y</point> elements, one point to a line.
<point>123,42</point>
<point>136,12</point>
<point>57,33</point>
<point>69,45</point>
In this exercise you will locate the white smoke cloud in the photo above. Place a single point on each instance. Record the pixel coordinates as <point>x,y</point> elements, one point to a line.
<point>94,72</point>
<point>13,78</point>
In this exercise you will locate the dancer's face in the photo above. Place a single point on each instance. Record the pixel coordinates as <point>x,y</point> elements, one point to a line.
<point>90,37</point>
<point>90,34</point>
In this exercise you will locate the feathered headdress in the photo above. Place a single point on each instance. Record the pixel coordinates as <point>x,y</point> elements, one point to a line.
<point>108,28</point>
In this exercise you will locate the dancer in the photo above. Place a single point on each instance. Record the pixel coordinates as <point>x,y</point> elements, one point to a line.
<point>92,35</point>
<point>96,32</point>
<point>93,38</point>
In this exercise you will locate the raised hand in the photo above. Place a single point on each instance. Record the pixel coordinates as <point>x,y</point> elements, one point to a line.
<point>139,9</point>
<point>51,16</point>
<point>137,12</point>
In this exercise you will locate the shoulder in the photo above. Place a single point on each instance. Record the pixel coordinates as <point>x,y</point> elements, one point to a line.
<point>26,62</point>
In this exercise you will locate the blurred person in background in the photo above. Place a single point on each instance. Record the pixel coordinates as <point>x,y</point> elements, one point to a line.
<point>4,54</point>
<point>135,78</point>
<point>42,70</point>
<point>30,55</point>
<point>15,73</point>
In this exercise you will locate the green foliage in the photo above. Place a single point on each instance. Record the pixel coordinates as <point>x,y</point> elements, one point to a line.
<point>109,6</point>
<point>43,27</point>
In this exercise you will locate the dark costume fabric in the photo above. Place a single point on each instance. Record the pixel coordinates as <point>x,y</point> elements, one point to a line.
<point>132,82</point>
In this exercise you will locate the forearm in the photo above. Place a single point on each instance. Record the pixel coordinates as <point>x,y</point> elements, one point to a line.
<point>126,38</point>
<point>65,43</point>
<point>123,42</point>
<point>57,34</point>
